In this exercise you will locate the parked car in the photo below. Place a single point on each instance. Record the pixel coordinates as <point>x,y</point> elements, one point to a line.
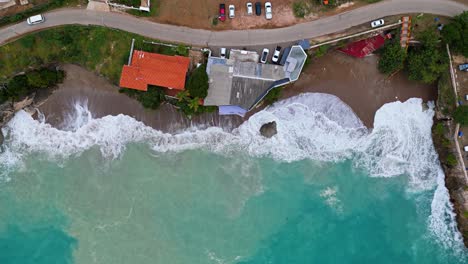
<point>222,53</point>
<point>463,67</point>
<point>37,19</point>
<point>264,57</point>
<point>222,12</point>
<point>276,54</point>
<point>249,8</point>
<point>377,23</point>
<point>268,13</point>
<point>232,10</point>
<point>465,148</point>
<point>258,9</point>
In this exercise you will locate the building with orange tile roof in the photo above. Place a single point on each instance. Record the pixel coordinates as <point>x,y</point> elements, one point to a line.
<point>147,68</point>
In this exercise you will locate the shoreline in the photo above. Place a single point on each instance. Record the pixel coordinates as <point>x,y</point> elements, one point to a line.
<point>334,73</point>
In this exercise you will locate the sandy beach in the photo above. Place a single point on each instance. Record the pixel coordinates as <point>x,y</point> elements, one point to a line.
<point>356,81</point>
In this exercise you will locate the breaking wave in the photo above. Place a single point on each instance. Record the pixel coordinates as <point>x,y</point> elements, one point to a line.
<point>310,126</point>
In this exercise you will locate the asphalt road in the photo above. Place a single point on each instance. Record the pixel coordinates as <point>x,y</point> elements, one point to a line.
<point>245,38</point>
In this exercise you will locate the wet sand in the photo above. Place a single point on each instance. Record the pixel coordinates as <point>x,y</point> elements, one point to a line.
<point>356,81</point>
<point>104,99</point>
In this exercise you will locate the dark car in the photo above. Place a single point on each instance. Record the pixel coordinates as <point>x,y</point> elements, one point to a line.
<point>258,9</point>
<point>222,12</point>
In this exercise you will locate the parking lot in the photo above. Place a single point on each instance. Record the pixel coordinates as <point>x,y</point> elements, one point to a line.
<point>216,49</point>
<point>200,14</point>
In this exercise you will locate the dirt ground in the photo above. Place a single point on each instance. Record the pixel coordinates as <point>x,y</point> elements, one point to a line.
<point>200,14</point>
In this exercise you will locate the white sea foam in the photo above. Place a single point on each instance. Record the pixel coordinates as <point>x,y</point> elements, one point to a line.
<point>331,199</point>
<point>310,126</point>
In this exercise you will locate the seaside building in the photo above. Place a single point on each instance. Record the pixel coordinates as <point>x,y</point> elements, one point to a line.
<point>240,82</point>
<point>145,68</point>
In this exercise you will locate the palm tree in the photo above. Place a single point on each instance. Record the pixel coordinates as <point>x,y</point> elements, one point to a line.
<point>194,104</point>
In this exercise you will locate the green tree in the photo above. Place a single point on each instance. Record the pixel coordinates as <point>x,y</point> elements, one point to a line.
<point>17,86</point>
<point>152,98</point>
<point>461,115</point>
<point>427,62</point>
<point>456,34</point>
<point>198,82</point>
<point>392,58</point>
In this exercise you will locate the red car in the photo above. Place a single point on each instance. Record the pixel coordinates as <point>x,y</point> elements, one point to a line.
<point>222,12</point>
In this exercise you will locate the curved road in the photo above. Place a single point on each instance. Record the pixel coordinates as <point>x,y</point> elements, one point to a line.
<point>198,37</point>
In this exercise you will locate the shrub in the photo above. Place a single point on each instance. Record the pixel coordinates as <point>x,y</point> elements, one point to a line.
<point>273,95</point>
<point>461,115</point>
<point>198,82</point>
<point>182,50</point>
<point>451,160</point>
<point>151,99</point>
<point>456,34</point>
<point>24,84</point>
<point>214,22</point>
<point>439,129</point>
<point>392,58</point>
<point>322,50</point>
<point>427,62</point>
<point>300,9</point>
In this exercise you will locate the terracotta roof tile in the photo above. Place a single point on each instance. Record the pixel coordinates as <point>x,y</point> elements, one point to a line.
<point>154,69</point>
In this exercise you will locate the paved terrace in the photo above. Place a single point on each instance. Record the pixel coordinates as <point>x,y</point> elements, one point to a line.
<point>242,38</point>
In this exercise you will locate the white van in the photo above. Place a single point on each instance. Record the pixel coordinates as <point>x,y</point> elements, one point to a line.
<point>37,19</point>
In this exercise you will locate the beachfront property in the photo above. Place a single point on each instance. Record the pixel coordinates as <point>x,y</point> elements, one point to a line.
<point>145,68</point>
<point>239,82</point>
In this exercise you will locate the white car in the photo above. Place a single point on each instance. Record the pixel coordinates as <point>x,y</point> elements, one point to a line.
<point>223,53</point>
<point>232,10</point>
<point>377,23</point>
<point>276,55</point>
<point>264,57</point>
<point>268,13</point>
<point>249,8</point>
<point>37,19</point>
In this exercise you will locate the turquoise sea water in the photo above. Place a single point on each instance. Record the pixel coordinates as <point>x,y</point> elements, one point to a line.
<point>211,204</point>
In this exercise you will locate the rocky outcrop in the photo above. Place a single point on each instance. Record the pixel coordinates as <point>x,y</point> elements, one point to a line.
<point>8,110</point>
<point>268,130</point>
<point>454,176</point>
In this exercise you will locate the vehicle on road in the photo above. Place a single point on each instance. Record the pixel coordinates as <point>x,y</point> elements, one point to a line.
<point>222,12</point>
<point>249,8</point>
<point>223,53</point>
<point>264,57</point>
<point>463,67</point>
<point>377,23</point>
<point>232,10</point>
<point>37,19</point>
<point>268,13</point>
<point>258,8</point>
<point>276,55</point>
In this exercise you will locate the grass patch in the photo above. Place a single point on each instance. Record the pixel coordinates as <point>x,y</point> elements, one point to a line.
<point>451,160</point>
<point>301,8</point>
<point>439,129</point>
<point>273,96</point>
<point>446,98</point>
<point>99,49</point>
<point>322,50</point>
